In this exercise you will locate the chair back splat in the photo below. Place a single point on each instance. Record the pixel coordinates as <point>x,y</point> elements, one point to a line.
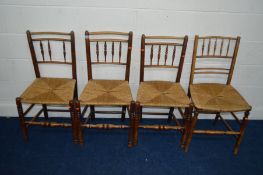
<point>169,49</point>
<point>42,42</point>
<point>214,48</point>
<point>108,47</point>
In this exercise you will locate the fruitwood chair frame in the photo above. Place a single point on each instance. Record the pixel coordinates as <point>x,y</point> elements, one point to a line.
<point>79,114</point>
<point>217,50</point>
<point>159,41</point>
<point>41,38</point>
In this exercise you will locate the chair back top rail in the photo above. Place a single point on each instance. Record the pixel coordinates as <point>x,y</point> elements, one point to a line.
<point>210,48</point>
<point>218,37</point>
<point>108,47</point>
<point>161,45</point>
<point>108,40</point>
<point>51,39</point>
<point>163,37</point>
<point>108,33</point>
<point>43,44</point>
<point>50,33</point>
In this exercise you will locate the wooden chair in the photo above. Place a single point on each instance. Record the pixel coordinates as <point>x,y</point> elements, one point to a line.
<point>104,48</point>
<point>216,98</point>
<point>47,91</point>
<point>162,94</point>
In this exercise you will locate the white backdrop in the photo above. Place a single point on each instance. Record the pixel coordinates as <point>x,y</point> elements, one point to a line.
<point>166,17</point>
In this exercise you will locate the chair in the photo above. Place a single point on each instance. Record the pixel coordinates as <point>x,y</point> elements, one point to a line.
<point>104,48</point>
<point>162,94</point>
<point>216,98</point>
<point>48,91</point>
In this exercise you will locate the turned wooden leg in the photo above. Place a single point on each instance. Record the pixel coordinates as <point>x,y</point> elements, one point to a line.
<point>76,92</point>
<point>131,129</point>
<point>185,113</point>
<point>72,108</point>
<point>136,122</point>
<point>44,106</point>
<point>170,115</point>
<point>123,112</point>
<point>22,118</point>
<point>191,130</point>
<point>187,124</point>
<point>140,113</point>
<point>216,118</point>
<point>78,123</point>
<point>242,132</point>
<point>92,112</point>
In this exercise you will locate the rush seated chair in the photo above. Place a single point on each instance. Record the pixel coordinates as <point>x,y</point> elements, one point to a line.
<point>169,57</point>
<point>103,50</point>
<point>49,91</point>
<point>215,56</point>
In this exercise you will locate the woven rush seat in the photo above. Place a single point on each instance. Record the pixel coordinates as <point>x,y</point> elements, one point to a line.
<point>56,91</point>
<point>217,97</point>
<point>106,93</point>
<point>162,94</point>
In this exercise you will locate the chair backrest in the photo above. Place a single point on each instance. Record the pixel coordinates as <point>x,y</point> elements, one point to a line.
<point>172,48</point>
<point>211,48</point>
<point>43,41</point>
<point>109,47</point>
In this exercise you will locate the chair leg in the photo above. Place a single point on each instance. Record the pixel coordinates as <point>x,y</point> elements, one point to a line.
<point>216,118</point>
<point>187,124</point>
<point>137,115</point>
<point>123,112</point>
<point>72,108</point>
<point>191,130</point>
<point>170,116</point>
<point>44,106</point>
<point>131,129</point>
<point>22,118</point>
<point>92,112</point>
<point>78,123</point>
<point>76,92</point>
<point>242,132</point>
<point>140,113</point>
